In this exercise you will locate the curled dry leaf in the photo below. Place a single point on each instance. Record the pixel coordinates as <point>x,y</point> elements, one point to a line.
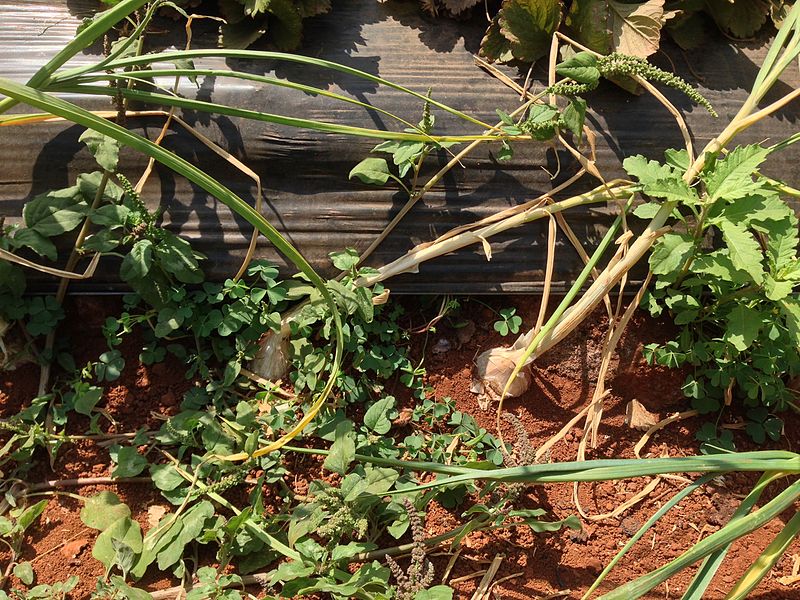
<point>638,417</point>
<point>154,515</point>
<point>492,370</point>
<point>272,362</point>
<point>73,549</point>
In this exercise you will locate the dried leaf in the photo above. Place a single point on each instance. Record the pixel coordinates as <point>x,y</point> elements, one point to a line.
<point>739,19</point>
<point>494,47</point>
<point>638,417</point>
<point>154,514</point>
<point>492,370</point>
<point>608,26</point>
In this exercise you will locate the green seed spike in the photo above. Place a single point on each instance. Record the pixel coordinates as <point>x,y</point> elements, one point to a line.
<point>622,64</point>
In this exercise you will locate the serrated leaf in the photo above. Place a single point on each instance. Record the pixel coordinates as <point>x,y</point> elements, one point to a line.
<point>371,170</point>
<point>104,149</point>
<point>495,47</point>
<point>777,290</point>
<point>672,188</point>
<point>285,25</point>
<point>670,252</point>
<point>582,68</point>
<point>719,265</point>
<point>242,33</point>
<point>739,19</point>
<point>758,208</point>
<point>732,177</point>
<point>646,171</point>
<point>790,308</point>
<point>528,25</point>
<point>782,244</point>
<point>607,26</point>
<point>678,159</point>
<point>743,249</point>
<point>743,326</point>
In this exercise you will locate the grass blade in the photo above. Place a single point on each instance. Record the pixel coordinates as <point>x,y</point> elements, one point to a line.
<point>764,563</point>
<point>644,528</point>
<point>725,536</point>
<point>712,562</point>
<point>218,73</point>
<point>223,109</point>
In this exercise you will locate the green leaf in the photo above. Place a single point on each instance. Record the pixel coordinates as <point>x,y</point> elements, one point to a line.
<point>374,171</point>
<point>647,210</point>
<point>582,68</point>
<point>647,171</point>
<point>103,509</point>
<point>731,178</point>
<point>777,290</point>
<point>130,593</point>
<point>607,26</point>
<point>739,19</point>
<point>24,572</point>
<point>165,477</point>
<point>377,416</point>
<point>129,462</point>
<point>678,159</point>
<point>790,308</point>
<point>177,258</point>
<point>124,530</point>
<point>672,188</point>
<point>345,259</point>
<point>744,250</point>
<point>437,592</point>
<point>343,551</point>
<point>192,524</point>
<point>104,149</point>
<point>29,515</point>
<point>528,25</point>
<point>743,326</point>
<point>719,265</point>
<point>782,244</point>
<point>285,24</point>
<point>54,213</point>
<point>138,261</point>
<point>30,238</point>
<point>670,253</point>
<point>574,116</point>
<point>87,399</point>
<point>343,450</point>
<point>110,215</point>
